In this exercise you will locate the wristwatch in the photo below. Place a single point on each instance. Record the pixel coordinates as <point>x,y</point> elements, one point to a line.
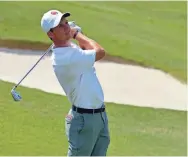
<point>75,34</point>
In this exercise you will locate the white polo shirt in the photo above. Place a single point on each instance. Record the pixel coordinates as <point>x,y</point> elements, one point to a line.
<point>74,69</point>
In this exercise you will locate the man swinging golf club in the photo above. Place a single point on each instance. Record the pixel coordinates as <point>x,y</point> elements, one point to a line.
<point>86,123</point>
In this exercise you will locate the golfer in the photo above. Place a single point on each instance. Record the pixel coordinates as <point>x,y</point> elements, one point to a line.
<point>86,123</point>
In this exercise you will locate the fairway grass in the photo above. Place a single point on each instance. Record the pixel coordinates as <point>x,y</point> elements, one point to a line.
<point>35,127</point>
<point>152,34</point>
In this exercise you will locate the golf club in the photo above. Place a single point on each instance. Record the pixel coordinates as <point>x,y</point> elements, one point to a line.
<point>16,96</point>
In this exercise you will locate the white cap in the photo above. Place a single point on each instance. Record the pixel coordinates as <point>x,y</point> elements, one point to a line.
<point>51,19</point>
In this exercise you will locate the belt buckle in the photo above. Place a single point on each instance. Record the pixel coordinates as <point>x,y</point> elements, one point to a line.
<point>93,111</point>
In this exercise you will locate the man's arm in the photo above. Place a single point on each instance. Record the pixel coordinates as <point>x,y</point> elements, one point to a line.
<point>89,44</point>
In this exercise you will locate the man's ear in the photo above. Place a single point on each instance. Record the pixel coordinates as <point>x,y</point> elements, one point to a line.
<point>50,34</point>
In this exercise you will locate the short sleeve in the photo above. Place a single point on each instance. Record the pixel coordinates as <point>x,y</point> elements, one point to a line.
<point>83,58</point>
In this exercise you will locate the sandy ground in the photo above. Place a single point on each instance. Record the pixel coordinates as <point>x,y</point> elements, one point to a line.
<point>123,84</point>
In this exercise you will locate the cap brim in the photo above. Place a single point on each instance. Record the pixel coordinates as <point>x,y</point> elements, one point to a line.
<point>66,14</point>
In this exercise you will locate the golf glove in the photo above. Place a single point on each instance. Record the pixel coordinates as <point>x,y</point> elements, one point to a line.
<point>73,24</point>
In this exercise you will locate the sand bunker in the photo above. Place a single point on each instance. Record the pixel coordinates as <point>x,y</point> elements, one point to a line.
<point>123,84</point>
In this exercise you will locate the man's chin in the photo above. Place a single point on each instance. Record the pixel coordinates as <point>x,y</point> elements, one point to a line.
<point>69,37</point>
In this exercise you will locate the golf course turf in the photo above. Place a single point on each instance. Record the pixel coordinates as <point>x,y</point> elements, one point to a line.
<point>151,34</point>
<point>35,126</point>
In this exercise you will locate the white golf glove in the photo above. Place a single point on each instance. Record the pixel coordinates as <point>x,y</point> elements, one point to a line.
<point>73,24</point>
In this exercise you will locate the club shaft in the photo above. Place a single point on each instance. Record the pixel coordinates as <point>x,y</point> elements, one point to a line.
<point>47,51</point>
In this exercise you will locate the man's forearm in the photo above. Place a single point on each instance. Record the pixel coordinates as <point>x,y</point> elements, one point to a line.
<point>86,43</point>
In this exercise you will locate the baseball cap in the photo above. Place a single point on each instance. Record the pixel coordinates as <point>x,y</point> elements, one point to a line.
<point>51,19</point>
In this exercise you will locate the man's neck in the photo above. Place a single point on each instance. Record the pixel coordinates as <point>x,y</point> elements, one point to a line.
<point>62,44</point>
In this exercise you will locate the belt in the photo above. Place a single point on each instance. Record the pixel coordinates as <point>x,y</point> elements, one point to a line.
<point>90,111</point>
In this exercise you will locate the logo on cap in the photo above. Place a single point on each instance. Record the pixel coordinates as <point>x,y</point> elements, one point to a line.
<point>54,12</point>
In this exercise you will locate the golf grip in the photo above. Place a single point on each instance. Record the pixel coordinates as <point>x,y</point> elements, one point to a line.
<point>48,50</point>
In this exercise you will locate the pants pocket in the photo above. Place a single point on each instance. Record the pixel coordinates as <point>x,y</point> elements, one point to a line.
<point>80,123</point>
<point>74,123</point>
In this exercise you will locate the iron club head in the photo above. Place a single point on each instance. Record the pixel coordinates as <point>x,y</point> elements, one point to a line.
<point>16,96</point>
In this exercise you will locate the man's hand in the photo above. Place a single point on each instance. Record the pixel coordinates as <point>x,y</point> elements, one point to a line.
<point>72,24</point>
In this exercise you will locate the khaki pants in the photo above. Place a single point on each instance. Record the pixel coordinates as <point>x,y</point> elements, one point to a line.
<point>88,134</point>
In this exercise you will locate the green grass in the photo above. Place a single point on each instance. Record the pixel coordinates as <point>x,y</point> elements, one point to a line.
<point>149,33</point>
<point>35,127</point>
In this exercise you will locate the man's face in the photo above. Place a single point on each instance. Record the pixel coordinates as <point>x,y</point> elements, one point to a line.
<point>62,31</point>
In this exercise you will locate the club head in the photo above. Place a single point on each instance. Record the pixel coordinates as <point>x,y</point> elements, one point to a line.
<point>16,96</point>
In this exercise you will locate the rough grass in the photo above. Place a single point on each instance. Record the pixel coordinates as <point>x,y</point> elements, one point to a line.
<point>35,127</point>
